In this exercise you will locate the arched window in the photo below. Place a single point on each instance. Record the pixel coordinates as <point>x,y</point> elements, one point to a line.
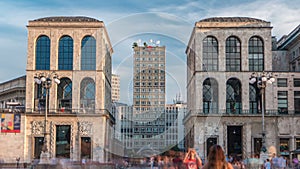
<point>88,53</point>
<point>65,53</point>
<point>233,96</point>
<point>233,54</point>
<point>87,93</point>
<point>254,99</point>
<point>210,96</point>
<point>64,94</point>
<point>42,53</point>
<point>39,97</point>
<point>256,54</point>
<point>210,54</point>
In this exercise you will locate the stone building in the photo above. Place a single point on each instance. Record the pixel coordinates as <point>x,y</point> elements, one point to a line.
<point>77,52</point>
<point>12,91</point>
<point>12,103</point>
<point>223,107</point>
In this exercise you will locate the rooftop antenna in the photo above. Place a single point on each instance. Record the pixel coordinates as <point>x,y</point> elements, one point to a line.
<point>157,43</point>
<point>139,42</point>
<point>151,42</point>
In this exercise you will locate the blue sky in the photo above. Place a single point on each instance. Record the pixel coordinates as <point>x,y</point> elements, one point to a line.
<point>170,21</point>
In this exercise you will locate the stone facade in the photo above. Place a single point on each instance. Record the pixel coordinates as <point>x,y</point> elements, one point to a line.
<point>94,124</point>
<point>12,91</point>
<point>202,127</point>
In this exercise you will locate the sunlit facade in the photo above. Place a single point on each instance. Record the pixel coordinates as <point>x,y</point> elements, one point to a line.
<point>78,51</point>
<point>222,106</point>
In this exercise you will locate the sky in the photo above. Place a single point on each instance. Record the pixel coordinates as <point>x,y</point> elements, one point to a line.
<point>168,21</point>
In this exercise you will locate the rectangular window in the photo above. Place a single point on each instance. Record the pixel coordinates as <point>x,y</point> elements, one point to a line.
<point>296,82</point>
<point>63,141</point>
<point>38,146</point>
<point>297,143</point>
<point>293,67</point>
<point>282,82</point>
<point>284,146</point>
<point>282,102</point>
<point>86,151</point>
<point>297,102</point>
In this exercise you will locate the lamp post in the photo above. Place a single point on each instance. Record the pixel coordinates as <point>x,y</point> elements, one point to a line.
<point>45,79</point>
<point>261,80</point>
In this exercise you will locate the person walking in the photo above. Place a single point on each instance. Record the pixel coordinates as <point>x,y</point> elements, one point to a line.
<point>267,164</point>
<point>216,159</point>
<point>192,160</point>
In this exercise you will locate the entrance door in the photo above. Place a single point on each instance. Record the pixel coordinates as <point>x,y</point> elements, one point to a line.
<point>63,136</point>
<point>257,145</point>
<point>234,140</point>
<point>210,142</point>
<point>38,146</point>
<point>85,148</point>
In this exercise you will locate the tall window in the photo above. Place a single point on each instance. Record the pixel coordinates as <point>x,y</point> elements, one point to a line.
<point>254,99</point>
<point>86,148</point>
<point>233,54</point>
<point>297,143</point>
<point>39,97</point>
<point>42,53</point>
<point>65,53</point>
<point>284,146</point>
<point>38,146</point>
<point>64,93</point>
<point>63,141</point>
<point>256,54</point>
<point>282,102</point>
<point>88,53</point>
<point>233,96</point>
<point>297,102</point>
<point>210,54</point>
<point>210,96</point>
<point>87,93</point>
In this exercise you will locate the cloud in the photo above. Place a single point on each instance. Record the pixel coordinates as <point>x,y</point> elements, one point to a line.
<point>272,11</point>
<point>171,22</point>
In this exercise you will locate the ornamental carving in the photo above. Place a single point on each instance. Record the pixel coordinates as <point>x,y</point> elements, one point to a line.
<point>284,126</point>
<point>85,128</point>
<point>37,127</point>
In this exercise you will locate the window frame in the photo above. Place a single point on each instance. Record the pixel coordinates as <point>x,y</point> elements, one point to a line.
<point>233,54</point>
<point>256,54</point>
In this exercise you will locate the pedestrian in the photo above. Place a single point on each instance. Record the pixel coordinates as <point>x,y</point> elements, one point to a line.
<point>274,162</point>
<point>216,159</point>
<point>151,162</point>
<point>267,164</point>
<point>177,161</point>
<point>160,162</point>
<point>192,160</point>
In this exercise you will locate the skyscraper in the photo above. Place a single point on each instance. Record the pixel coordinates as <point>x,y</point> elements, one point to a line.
<point>149,78</point>
<point>148,98</point>
<point>115,88</point>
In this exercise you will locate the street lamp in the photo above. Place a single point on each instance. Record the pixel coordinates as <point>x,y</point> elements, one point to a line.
<point>45,79</point>
<point>261,80</point>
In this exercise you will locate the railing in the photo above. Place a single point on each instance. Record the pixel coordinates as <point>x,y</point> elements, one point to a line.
<point>12,110</point>
<point>242,113</point>
<point>67,111</point>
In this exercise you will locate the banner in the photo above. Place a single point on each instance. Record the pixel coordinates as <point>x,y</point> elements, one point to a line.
<point>10,123</point>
